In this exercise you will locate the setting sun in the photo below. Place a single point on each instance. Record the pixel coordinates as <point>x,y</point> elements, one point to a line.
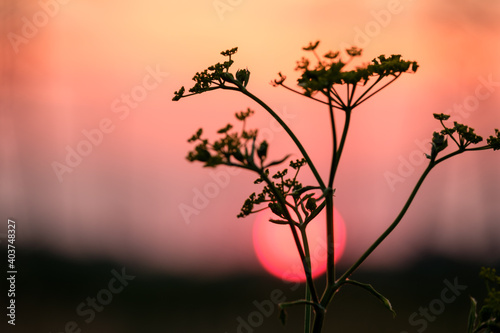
<point>277,253</point>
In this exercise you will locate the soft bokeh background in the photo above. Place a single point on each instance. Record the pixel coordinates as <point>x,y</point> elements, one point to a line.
<point>123,202</point>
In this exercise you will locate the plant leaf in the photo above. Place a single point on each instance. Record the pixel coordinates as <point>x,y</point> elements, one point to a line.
<point>283,315</point>
<point>472,315</point>
<point>275,221</point>
<point>371,290</point>
<point>305,188</point>
<point>279,161</point>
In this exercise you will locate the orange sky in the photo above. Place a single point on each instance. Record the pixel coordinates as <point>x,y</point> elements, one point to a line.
<point>122,200</point>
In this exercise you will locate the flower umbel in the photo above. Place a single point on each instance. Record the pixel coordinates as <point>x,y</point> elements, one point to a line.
<point>216,77</point>
<point>494,141</point>
<point>330,72</point>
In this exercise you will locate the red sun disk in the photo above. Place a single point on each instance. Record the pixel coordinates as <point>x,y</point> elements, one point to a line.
<point>277,253</point>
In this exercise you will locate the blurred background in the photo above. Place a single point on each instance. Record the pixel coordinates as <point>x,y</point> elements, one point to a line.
<point>93,166</point>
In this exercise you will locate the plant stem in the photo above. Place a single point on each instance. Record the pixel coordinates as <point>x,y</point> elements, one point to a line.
<point>334,139</point>
<point>304,259</point>
<point>359,101</point>
<point>301,94</point>
<point>308,312</point>
<point>318,321</point>
<point>334,168</point>
<point>290,133</point>
<point>389,229</point>
<point>308,308</point>
<point>349,102</point>
<point>330,264</point>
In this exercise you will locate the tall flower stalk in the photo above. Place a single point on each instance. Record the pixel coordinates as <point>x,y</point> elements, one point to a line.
<point>329,83</point>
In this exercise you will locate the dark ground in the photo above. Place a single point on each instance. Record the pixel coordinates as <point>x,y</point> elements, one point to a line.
<point>52,296</point>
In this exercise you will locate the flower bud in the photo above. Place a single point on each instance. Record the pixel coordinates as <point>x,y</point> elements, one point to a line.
<point>239,156</point>
<point>311,204</point>
<point>262,151</point>
<point>242,75</point>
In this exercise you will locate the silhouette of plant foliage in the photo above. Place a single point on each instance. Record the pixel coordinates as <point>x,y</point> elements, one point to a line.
<point>328,81</point>
<point>488,318</point>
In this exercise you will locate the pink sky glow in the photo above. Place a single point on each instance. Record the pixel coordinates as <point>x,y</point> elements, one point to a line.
<point>65,82</point>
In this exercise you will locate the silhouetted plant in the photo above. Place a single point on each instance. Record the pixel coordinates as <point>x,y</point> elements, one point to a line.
<point>488,318</point>
<point>292,203</point>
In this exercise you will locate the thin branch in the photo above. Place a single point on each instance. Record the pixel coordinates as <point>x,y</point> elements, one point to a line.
<point>336,94</point>
<point>334,138</point>
<point>359,101</point>
<point>352,95</point>
<point>290,133</point>
<point>329,293</point>
<point>449,133</point>
<point>298,92</point>
<point>341,146</point>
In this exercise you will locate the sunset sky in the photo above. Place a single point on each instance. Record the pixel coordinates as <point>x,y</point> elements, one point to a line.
<point>67,69</point>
